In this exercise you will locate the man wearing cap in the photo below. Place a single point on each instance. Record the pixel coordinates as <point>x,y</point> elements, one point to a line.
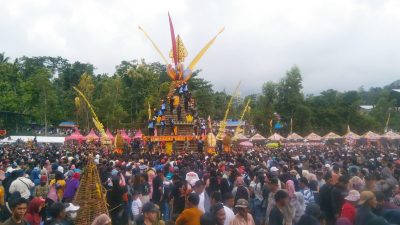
<point>72,211</point>
<point>348,209</point>
<point>243,217</point>
<point>365,216</point>
<point>150,213</point>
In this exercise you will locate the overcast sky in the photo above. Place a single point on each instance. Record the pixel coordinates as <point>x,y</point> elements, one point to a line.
<point>340,44</point>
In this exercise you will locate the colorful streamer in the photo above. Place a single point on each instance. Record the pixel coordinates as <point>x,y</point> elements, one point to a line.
<point>174,51</point>
<point>154,45</point>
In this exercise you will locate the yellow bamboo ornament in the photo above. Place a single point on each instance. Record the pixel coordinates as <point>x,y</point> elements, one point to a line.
<point>95,119</point>
<point>222,124</point>
<point>238,128</point>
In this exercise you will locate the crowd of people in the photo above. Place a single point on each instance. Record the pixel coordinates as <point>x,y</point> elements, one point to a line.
<point>285,186</point>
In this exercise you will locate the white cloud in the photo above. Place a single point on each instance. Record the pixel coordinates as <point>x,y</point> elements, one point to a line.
<point>341,44</point>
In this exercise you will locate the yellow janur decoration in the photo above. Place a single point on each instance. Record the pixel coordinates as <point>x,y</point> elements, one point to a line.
<point>96,121</point>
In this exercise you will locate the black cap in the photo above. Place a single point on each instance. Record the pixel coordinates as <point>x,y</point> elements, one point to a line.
<point>149,207</point>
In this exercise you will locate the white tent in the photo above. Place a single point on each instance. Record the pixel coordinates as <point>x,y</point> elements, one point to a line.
<point>258,137</point>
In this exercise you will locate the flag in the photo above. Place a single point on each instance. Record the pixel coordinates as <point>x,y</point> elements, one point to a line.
<point>174,50</point>
<point>387,123</point>
<point>291,125</point>
<point>149,111</point>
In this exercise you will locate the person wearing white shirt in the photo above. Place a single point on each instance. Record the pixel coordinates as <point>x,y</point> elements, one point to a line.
<point>136,205</point>
<point>22,185</point>
<point>204,203</point>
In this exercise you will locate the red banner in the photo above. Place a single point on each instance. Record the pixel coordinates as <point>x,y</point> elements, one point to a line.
<point>3,132</point>
<point>169,138</point>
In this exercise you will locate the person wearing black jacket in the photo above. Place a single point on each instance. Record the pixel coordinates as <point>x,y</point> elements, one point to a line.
<point>339,192</point>
<point>325,199</point>
<point>158,187</point>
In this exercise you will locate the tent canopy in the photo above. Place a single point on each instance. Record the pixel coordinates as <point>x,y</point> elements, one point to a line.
<point>258,137</point>
<point>391,135</point>
<point>294,136</point>
<point>276,137</point>
<point>138,134</point>
<point>67,125</point>
<point>75,136</point>
<point>109,135</point>
<point>313,137</point>
<point>240,137</point>
<point>246,144</point>
<point>332,135</point>
<point>125,136</point>
<point>92,136</point>
<point>351,135</point>
<point>371,136</point>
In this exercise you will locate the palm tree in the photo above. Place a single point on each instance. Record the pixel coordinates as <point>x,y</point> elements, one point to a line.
<point>3,58</point>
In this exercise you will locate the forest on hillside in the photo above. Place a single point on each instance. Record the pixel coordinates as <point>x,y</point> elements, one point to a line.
<point>40,88</point>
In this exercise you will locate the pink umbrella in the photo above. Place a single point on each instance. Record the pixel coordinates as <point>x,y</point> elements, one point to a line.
<point>75,136</point>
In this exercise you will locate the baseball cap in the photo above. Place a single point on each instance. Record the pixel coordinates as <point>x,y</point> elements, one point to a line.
<point>365,197</point>
<point>274,169</point>
<point>242,203</point>
<point>69,207</point>
<point>353,196</point>
<point>149,207</point>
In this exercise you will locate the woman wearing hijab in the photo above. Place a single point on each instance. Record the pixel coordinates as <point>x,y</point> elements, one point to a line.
<point>102,219</point>
<point>71,187</point>
<point>32,216</point>
<point>296,201</point>
<point>59,184</point>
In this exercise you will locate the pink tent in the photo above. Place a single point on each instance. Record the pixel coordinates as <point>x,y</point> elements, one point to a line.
<point>246,144</point>
<point>92,136</point>
<point>391,135</point>
<point>109,135</point>
<point>125,136</point>
<point>371,136</point>
<point>276,137</point>
<point>75,136</point>
<point>313,137</point>
<point>138,135</point>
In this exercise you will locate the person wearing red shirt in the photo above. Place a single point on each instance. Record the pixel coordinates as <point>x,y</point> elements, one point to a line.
<point>348,208</point>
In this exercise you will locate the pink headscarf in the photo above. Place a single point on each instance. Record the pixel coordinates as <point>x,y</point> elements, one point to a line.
<point>290,188</point>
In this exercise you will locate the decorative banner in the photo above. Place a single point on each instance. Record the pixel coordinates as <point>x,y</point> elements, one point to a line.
<point>3,132</point>
<point>169,138</point>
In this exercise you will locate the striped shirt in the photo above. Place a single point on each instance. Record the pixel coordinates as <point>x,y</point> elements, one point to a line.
<point>308,196</point>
